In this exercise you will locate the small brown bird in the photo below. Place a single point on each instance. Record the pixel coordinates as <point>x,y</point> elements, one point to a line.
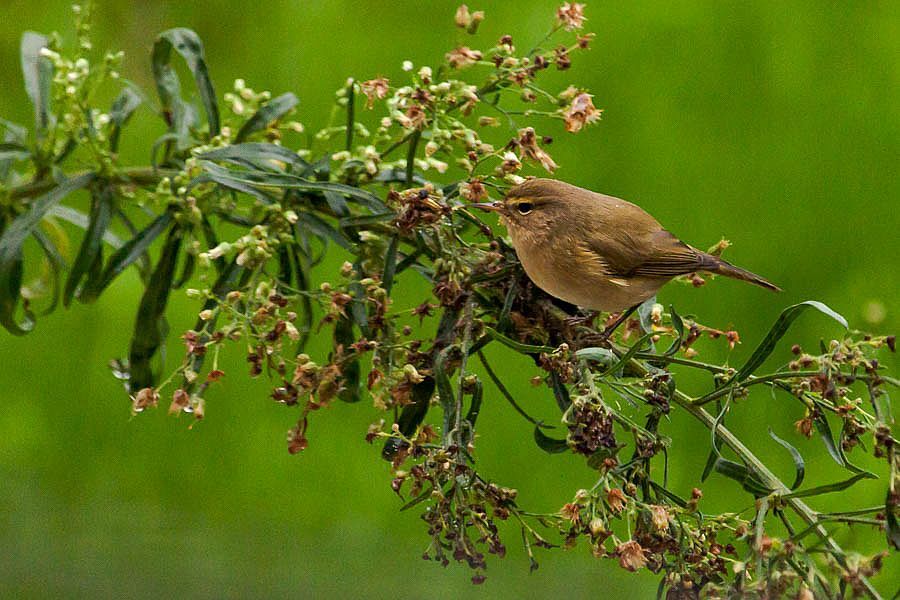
<point>595,251</point>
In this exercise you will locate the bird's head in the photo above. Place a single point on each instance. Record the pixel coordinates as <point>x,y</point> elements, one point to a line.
<point>535,208</point>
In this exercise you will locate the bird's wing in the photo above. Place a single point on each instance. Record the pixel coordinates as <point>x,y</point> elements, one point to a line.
<point>651,254</point>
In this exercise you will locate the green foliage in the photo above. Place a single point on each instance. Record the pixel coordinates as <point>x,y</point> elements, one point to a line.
<point>282,209</point>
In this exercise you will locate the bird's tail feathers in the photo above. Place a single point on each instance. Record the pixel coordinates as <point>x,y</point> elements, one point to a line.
<point>714,264</point>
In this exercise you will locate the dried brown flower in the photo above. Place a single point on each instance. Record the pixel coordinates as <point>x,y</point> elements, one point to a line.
<point>615,498</point>
<point>570,15</point>
<point>462,57</point>
<point>581,112</point>
<point>631,556</point>
<point>375,89</point>
<point>529,148</point>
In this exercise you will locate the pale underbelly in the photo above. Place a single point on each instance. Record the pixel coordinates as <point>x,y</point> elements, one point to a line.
<point>591,292</point>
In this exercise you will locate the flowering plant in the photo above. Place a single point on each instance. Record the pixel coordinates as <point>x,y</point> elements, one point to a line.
<point>241,216</point>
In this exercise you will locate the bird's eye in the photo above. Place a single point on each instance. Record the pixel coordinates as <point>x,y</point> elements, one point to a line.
<point>524,207</point>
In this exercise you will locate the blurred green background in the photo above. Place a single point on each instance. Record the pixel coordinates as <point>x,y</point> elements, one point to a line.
<point>775,124</point>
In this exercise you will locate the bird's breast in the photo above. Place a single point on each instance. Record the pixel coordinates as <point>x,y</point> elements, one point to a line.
<point>559,272</point>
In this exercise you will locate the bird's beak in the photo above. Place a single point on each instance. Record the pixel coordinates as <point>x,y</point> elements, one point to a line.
<point>491,206</point>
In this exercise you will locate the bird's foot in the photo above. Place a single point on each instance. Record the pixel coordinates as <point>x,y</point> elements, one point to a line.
<point>583,319</point>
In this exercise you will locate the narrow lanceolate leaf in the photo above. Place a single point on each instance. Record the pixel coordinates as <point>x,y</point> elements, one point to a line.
<point>781,326</point>
<point>799,464</point>
<point>38,73</point>
<point>678,326</point>
<point>824,430</point>
<point>738,472</point>
<point>14,236</point>
<point>83,221</point>
<point>10,151</point>
<point>390,265</point>
<point>892,524</point>
<point>131,251</point>
<point>122,108</point>
<point>186,43</point>
<point>90,255</point>
<point>272,110</point>
<point>548,444</point>
<point>445,390</point>
<point>831,487</point>
<point>56,263</point>
<point>517,346</point>
<point>262,155</point>
<point>293,182</point>
<point>411,416</point>
<point>351,371</point>
<point>475,406</point>
<point>149,328</point>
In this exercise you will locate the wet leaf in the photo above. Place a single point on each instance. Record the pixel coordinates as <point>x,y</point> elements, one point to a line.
<point>799,464</point>
<point>11,242</point>
<point>90,255</point>
<point>131,251</point>
<point>831,487</point>
<point>150,326</point>
<point>122,108</point>
<point>187,44</point>
<point>38,73</point>
<point>272,110</point>
<point>781,326</point>
<point>549,444</point>
<point>412,415</point>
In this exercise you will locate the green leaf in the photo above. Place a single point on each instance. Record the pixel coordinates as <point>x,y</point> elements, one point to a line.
<point>742,475</point>
<point>175,111</point>
<point>13,151</point>
<point>57,265</point>
<point>316,225</point>
<point>560,392</point>
<point>38,73</point>
<point>90,255</point>
<point>799,464</point>
<point>445,390</point>
<point>549,444</point>
<point>390,265</point>
<point>604,356</point>
<point>412,415</point>
<point>892,525</point>
<point>824,429</point>
<point>678,325</point>
<point>475,406</point>
<point>272,110</point>
<point>781,326</point>
<point>150,327</point>
<point>83,221</point>
<point>257,153</point>
<point>517,346</point>
<point>832,487</point>
<point>293,182</point>
<point>336,203</point>
<point>11,241</point>
<point>122,108</point>
<point>343,336</point>
<point>626,358</point>
<point>351,114</point>
<point>131,251</point>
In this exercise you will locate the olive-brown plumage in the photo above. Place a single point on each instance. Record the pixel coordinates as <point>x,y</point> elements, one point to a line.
<point>597,251</point>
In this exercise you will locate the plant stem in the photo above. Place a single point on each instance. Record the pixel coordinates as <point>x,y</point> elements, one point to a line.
<point>142,176</point>
<point>760,470</point>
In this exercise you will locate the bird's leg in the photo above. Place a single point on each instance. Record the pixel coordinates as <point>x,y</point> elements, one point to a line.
<point>583,318</point>
<point>611,328</point>
<point>602,338</point>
